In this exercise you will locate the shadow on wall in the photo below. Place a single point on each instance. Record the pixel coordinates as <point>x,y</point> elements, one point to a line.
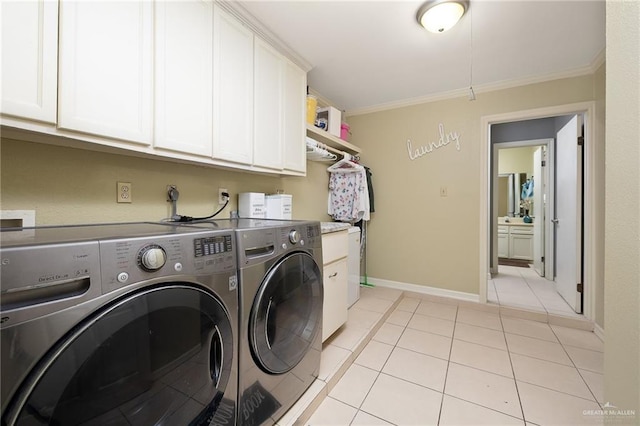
<point>71,186</point>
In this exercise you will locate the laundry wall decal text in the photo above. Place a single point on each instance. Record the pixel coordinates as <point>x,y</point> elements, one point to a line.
<point>444,140</point>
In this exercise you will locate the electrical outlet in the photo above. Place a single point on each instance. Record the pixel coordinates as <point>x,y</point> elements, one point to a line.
<point>222,198</point>
<point>124,192</point>
<point>443,191</point>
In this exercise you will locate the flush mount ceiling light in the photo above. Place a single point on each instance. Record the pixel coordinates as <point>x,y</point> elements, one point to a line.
<point>440,15</point>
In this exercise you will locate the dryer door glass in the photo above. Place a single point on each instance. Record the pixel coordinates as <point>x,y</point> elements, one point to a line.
<point>160,356</point>
<point>286,315</point>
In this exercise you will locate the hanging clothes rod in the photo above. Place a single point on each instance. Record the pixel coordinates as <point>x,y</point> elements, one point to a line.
<point>345,155</point>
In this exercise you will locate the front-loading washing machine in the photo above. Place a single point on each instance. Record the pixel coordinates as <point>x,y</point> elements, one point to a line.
<point>281,297</point>
<point>118,324</point>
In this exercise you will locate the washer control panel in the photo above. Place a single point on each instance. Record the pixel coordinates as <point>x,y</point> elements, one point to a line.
<point>294,236</point>
<point>152,257</point>
<point>131,260</point>
<point>212,245</point>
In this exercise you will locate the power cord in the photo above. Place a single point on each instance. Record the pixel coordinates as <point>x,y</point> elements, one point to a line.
<point>182,218</point>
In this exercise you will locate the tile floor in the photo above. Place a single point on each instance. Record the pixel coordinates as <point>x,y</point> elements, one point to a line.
<point>439,361</point>
<point>523,287</point>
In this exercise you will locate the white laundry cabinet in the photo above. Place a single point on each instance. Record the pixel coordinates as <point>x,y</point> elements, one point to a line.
<point>335,246</point>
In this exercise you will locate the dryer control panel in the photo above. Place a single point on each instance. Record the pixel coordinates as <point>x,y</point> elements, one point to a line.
<point>257,244</point>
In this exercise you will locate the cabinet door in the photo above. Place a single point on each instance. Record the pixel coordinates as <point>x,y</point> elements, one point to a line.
<point>521,246</point>
<point>503,245</point>
<point>268,96</point>
<point>294,107</point>
<point>232,89</point>
<point>29,59</point>
<point>334,309</point>
<point>184,76</point>
<point>105,82</point>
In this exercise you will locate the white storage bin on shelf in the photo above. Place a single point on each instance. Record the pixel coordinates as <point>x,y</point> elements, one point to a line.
<point>333,117</point>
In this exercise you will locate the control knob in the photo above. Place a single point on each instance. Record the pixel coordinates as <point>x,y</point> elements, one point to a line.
<point>294,236</point>
<point>152,257</point>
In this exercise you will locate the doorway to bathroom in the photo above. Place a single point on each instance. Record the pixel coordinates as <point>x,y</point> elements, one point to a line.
<point>524,200</point>
<point>554,276</point>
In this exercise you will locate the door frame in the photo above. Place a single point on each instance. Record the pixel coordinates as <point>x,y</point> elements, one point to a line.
<point>548,246</point>
<point>589,241</point>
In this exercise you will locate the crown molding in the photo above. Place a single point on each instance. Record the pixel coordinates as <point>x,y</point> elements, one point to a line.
<point>599,60</point>
<point>234,8</point>
<point>484,88</point>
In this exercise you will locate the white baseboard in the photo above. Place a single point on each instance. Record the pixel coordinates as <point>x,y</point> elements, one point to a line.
<point>599,331</point>
<point>423,289</point>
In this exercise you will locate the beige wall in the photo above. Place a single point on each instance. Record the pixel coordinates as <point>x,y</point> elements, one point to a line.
<point>622,224</point>
<point>516,160</point>
<point>416,236</point>
<point>310,193</point>
<point>70,186</point>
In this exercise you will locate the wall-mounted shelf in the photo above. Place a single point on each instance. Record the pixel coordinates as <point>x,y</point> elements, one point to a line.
<point>330,140</point>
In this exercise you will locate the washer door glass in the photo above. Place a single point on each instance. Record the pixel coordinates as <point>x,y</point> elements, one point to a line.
<point>160,356</point>
<point>287,313</point>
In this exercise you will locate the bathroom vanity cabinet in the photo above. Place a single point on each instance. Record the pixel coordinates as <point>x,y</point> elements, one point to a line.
<point>515,241</point>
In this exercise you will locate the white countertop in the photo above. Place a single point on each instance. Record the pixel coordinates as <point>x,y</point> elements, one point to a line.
<point>513,221</point>
<point>328,227</point>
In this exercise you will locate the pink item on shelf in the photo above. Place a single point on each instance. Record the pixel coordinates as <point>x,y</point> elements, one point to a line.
<point>344,132</point>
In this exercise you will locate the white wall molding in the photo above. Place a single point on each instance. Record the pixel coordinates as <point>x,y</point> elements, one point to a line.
<point>599,331</point>
<point>483,88</point>
<point>590,273</point>
<point>600,59</point>
<point>423,289</point>
<point>251,22</point>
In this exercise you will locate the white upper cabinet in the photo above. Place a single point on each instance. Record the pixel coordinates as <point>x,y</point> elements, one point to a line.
<point>29,59</point>
<point>184,76</point>
<point>268,103</point>
<point>279,111</point>
<point>232,89</point>
<point>294,118</point>
<point>106,69</point>
<point>181,79</point>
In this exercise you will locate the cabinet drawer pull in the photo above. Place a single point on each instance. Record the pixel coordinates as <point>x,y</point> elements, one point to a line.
<point>333,275</point>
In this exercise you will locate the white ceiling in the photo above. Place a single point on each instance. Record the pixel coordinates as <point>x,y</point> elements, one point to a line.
<point>370,54</point>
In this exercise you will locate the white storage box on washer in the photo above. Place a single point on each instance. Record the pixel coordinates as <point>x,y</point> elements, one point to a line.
<point>251,205</point>
<point>279,206</point>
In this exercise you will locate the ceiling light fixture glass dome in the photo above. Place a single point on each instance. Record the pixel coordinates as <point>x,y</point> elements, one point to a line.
<point>438,16</point>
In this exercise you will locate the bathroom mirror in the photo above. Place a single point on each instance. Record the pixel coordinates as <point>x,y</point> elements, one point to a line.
<point>509,185</point>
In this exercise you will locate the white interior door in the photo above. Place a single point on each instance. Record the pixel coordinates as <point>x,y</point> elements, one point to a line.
<point>538,212</point>
<point>568,213</point>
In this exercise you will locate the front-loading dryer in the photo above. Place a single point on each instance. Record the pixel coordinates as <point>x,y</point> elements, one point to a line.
<point>280,313</point>
<point>118,324</point>
<point>281,297</point>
